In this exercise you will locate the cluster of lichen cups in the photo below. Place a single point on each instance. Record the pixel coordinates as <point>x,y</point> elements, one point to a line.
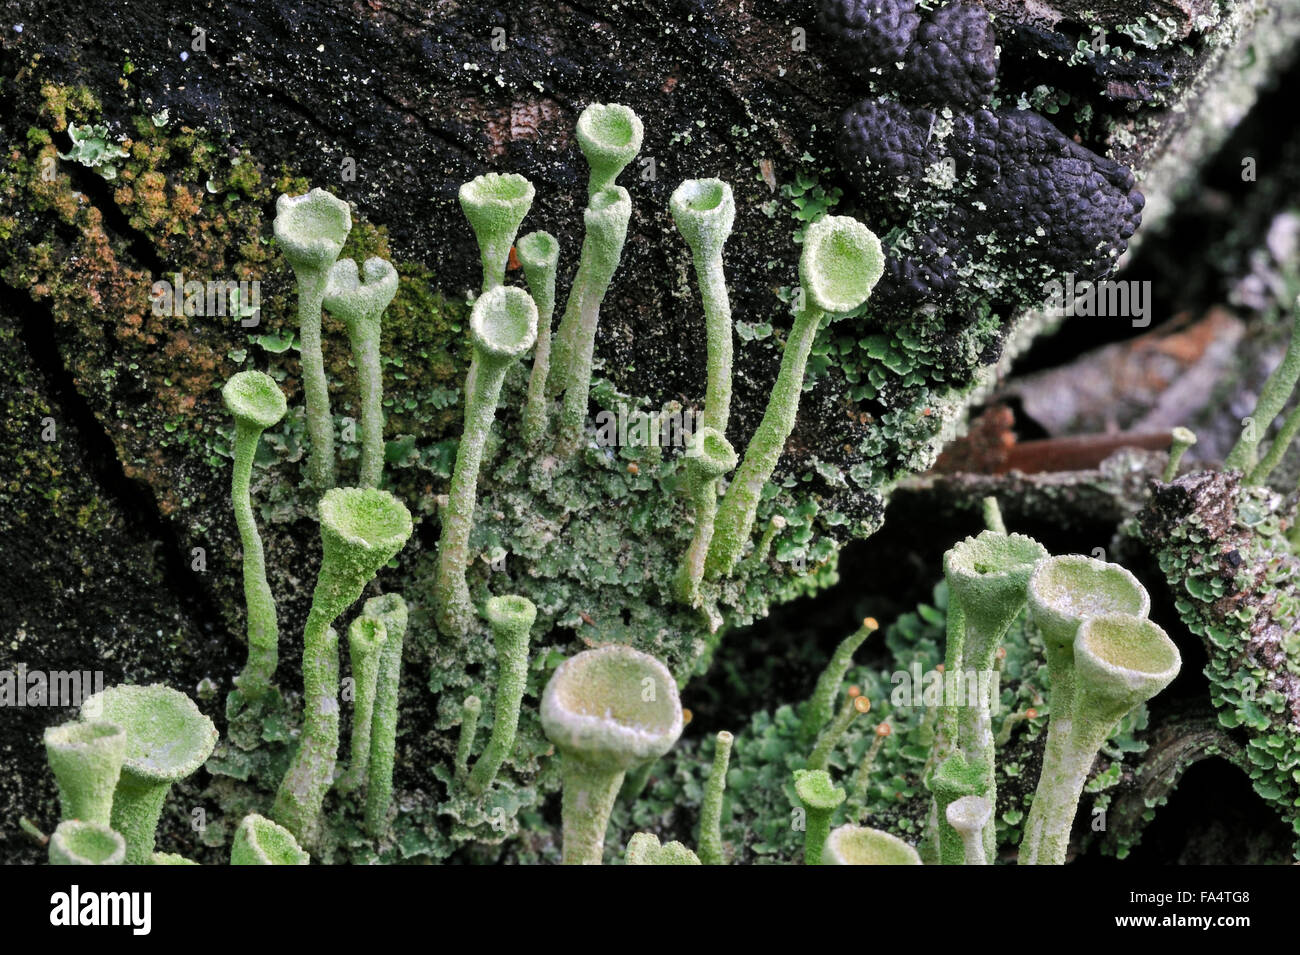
<point>1104,659</point>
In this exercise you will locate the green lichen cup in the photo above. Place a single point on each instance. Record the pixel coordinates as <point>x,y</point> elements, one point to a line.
<point>1120,662</point>
<point>361,530</point>
<point>259,841</point>
<point>644,849</point>
<point>167,740</point>
<point>609,136</point>
<point>704,212</point>
<point>358,296</point>
<point>495,205</point>
<point>311,230</point>
<point>79,842</point>
<point>820,798</point>
<point>1064,590</point>
<point>840,264</point>
<point>254,400</point>
<point>606,710</point>
<point>858,845</point>
<point>86,758</point>
<point>503,324</point>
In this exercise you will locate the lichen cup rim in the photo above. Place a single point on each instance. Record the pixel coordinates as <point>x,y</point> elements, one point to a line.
<point>270,842</point>
<point>510,609</point>
<point>817,790</point>
<point>612,202</point>
<point>969,812</point>
<point>70,836</point>
<point>711,453</point>
<point>505,191</point>
<point>370,633</point>
<point>503,322</point>
<point>1128,657</point>
<point>538,250</point>
<point>705,225</point>
<point>609,738</point>
<point>311,228</point>
<point>840,264</point>
<point>355,293</point>
<point>369,519</point>
<point>81,734</point>
<point>255,398</point>
<point>963,558</point>
<point>883,848</point>
<point>610,131</point>
<point>190,736</point>
<point>1060,605</point>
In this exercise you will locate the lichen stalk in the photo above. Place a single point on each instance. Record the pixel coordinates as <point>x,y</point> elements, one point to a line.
<point>1121,661</point>
<point>86,758</point>
<point>470,711</point>
<point>311,230</point>
<point>1184,438</point>
<point>606,218</point>
<point>711,805</point>
<point>704,211</point>
<point>389,609</point>
<point>361,530</point>
<point>821,705</point>
<point>359,300</point>
<point>539,255</point>
<point>840,264</point>
<point>511,619</point>
<point>1286,433</point>
<point>1062,592</point>
<point>257,403</point>
<point>955,778</point>
<point>503,325</point>
<point>820,798</point>
<point>709,457</point>
<point>1272,399</point>
<point>830,737</point>
<point>366,639</point>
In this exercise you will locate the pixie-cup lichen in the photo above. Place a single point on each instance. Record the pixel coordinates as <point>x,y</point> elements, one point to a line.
<point>820,798</point>
<point>86,758</point>
<point>259,841</point>
<point>359,300</point>
<point>511,618</point>
<point>609,135</point>
<point>495,205</point>
<point>503,326</point>
<point>971,816</point>
<point>704,211</point>
<point>987,577</point>
<point>644,849</point>
<point>709,457</point>
<point>1120,662</point>
<point>361,530</point>
<point>840,264</point>
<point>83,842</point>
<point>366,638</point>
<point>311,230</point>
<point>257,403</point>
<point>711,805</point>
<point>167,739</point>
<point>539,256</point>
<point>391,611</point>
<point>858,845</point>
<point>606,710</point>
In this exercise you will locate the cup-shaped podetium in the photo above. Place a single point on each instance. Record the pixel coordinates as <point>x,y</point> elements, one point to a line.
<point>988,575</point>
<point>311,230</point>
<point>858,845</point>
<point>1120,661</point>
<point>86,758</point>
<point>820,799</point>
<point>511,618</point>
<point>361,530</point>
<point>259,841</point>
<point>254,400</point>
<point>167,739</point>
<point>644,849</point>
<point>704,212</point>
<point>970,817</point>
<point>609,135</point>
<point>80,842</point>
<point>495,205</point>
<point>358,296</point>
<point>606,710</point>
<point>840,264</point>
<point>503,325</point>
